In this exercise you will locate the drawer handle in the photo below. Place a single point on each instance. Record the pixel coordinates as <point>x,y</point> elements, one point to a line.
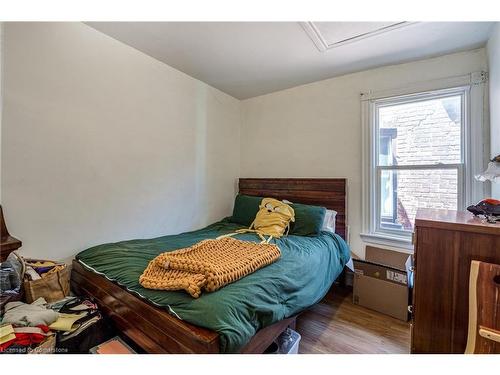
<point>410,309</point>
<point>490,334</point>
<point>496,279</point>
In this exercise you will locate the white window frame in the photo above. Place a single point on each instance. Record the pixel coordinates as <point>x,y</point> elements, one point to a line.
<point>474,148</point>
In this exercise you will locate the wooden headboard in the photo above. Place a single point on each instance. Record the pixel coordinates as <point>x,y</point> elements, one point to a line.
<point>327,192</point>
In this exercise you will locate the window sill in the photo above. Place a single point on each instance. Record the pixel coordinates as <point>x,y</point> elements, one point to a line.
<point>388,240</point>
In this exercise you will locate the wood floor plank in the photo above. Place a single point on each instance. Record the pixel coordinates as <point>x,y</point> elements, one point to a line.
<point>337,326</point>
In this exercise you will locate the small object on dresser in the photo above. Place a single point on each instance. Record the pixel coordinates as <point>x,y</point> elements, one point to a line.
<point>489,208</point>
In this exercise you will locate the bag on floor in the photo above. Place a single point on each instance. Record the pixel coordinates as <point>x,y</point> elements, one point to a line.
<point>52,285</point>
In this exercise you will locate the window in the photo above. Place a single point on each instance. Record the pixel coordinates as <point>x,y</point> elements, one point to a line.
<point>419,157</point>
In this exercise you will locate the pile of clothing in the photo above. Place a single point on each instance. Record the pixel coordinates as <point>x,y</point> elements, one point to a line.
<point>20,339</point>
<point>39,269</point>
<point>25,326</point>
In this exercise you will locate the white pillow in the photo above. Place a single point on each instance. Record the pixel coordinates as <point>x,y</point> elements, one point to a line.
<point>329,221</point>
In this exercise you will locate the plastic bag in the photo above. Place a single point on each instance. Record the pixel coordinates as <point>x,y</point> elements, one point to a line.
<point>11,275</point>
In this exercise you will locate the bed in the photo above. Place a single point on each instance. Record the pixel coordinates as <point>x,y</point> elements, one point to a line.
<point>243,317</point>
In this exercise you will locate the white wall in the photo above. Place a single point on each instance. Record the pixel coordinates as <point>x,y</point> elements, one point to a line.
<point>315,130</point>
<point>103,143</point>
<point>493,49</point>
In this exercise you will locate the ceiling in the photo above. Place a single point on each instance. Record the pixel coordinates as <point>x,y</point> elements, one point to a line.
<point>247,59</point>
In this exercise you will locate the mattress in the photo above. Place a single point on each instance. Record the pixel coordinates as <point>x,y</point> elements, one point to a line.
<point>299,279</point>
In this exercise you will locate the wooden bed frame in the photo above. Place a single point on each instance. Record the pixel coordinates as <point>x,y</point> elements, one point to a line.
<point>154,329</point>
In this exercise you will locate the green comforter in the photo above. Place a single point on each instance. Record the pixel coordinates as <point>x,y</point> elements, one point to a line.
<point>300,278</point>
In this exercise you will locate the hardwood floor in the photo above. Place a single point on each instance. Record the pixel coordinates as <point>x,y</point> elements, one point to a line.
<point>336,326</point>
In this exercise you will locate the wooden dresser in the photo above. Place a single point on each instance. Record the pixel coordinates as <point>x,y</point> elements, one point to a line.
<point>445,244</point>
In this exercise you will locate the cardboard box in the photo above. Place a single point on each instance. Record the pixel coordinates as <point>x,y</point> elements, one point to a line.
<point>381,282</point>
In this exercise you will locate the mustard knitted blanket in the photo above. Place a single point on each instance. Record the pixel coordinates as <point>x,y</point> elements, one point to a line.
<point>209,265</point>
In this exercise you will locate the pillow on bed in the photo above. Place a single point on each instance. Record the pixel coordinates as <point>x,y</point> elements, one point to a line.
<point>308,219</point>
<point>245,209</point>
<point>329,221</point>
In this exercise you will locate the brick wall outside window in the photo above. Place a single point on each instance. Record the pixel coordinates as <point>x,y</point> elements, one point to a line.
<point>428,132</point>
